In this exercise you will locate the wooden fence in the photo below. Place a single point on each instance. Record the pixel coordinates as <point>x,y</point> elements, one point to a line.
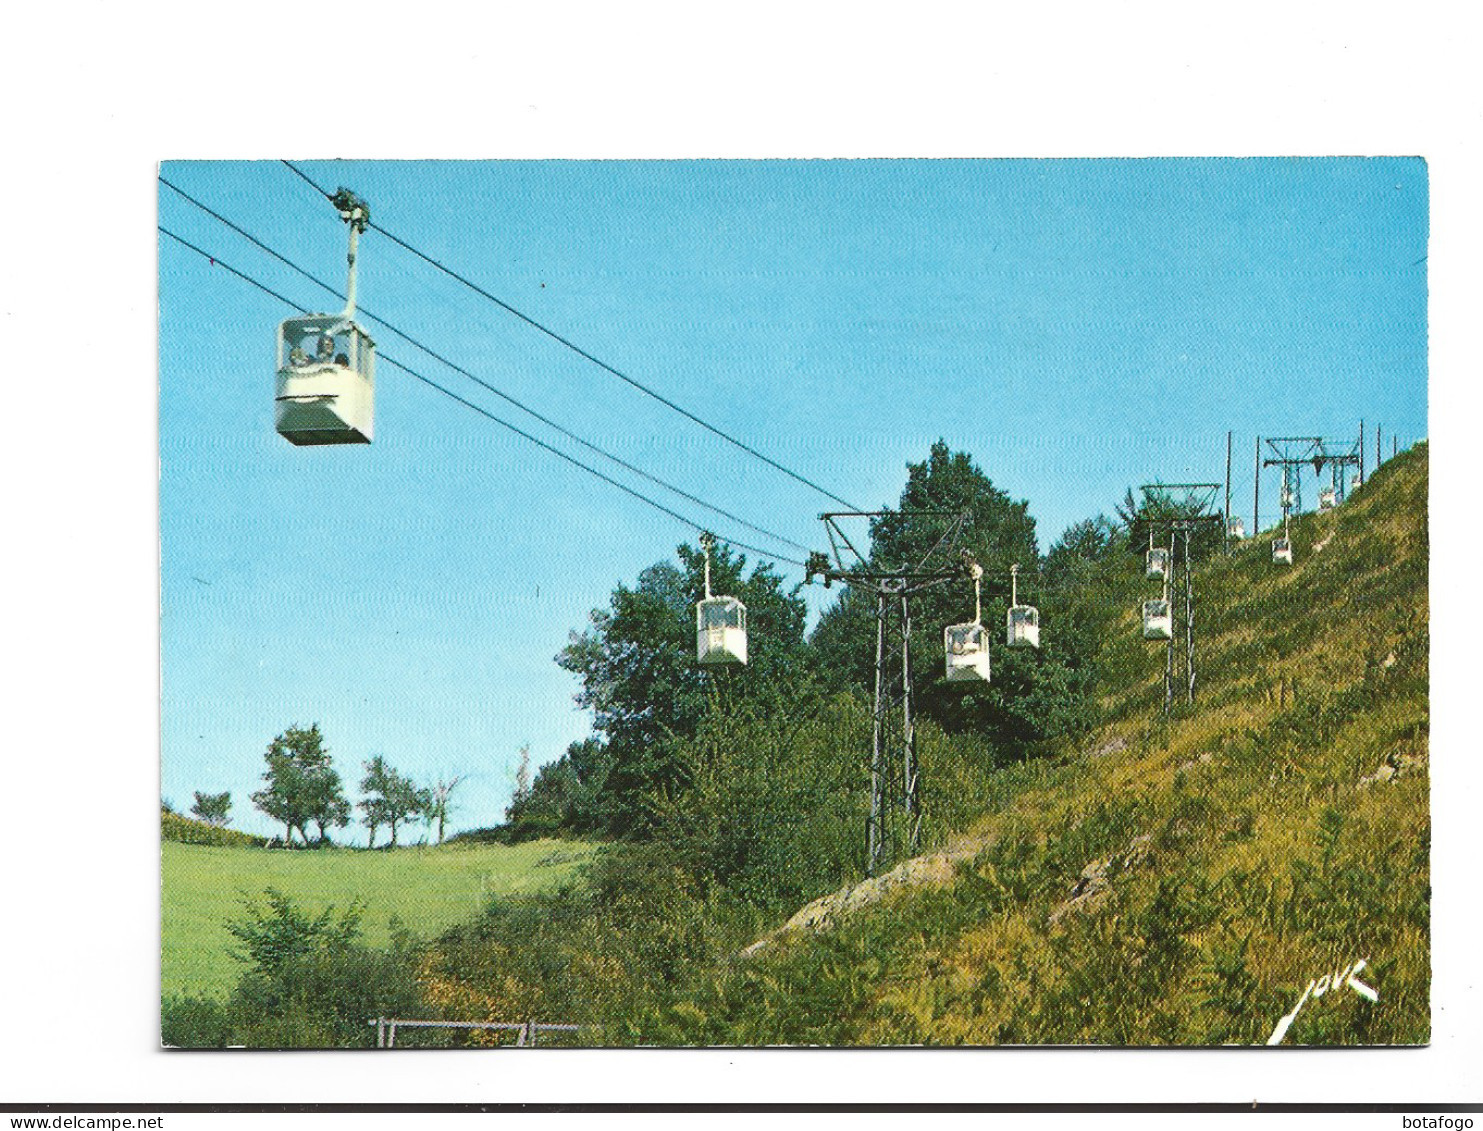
<point>526,1031</point>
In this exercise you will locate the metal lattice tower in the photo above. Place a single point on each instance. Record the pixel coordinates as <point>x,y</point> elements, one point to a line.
<point>894,826</point>
<point>1185,515</point>
<point>1292,454</point>
<point>1339,456</point>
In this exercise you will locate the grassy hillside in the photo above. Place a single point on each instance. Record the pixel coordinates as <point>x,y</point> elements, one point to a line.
<point>1182,879</point>
<point>1174,880</point>
<point>426,888</point>
<point>188,830</point>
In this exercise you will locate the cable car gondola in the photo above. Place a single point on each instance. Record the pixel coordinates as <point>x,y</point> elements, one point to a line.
<point>1328,499</point>
<point>327,364</point>
<point>966,646</point>
<point>720,622</point>
<point>1156,564</point>
<point>1236,530</point>
<point>1022,624</point>
<point>1158,622</point>
<point>326,381</point>
<point>1282,547</point>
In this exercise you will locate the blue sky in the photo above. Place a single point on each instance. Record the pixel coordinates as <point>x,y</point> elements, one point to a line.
<point>1077,326</point>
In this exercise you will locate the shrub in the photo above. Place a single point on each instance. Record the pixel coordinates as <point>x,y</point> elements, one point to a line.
<point>310,983</point>
<point>188,831</point>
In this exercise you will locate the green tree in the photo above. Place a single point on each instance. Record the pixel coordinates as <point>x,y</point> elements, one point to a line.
<point>1156,510</point>
<point>440,801</point>
<point>301,786</point>
<point>641,680</point>
<point>522,776</point>
<point>567,794</point>
<point>1034,694</point>
<point>391,798</point>
<point>213,808</point>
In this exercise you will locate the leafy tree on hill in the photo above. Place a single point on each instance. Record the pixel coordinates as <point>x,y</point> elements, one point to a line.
<point>640,678</point>
<point>998,534</point>
<point>213,808</point>
<point>522,776</point>
<point>1034,694</point>
<point>566,794</point>
<point>301,786</point>
<point>392,799</point>
<point>1155,511</point>
<point>440,801</point>
<point>1084,568</point>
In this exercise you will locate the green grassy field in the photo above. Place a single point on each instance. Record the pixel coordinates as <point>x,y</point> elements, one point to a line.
<point>428,889</point>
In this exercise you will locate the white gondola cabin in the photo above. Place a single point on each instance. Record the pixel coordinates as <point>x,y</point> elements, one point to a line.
<point>1157,563</point>
<point>1282,551</point>
<point>1158,622</point>
<point>721,631</point>
<point>967,649</point>
<point>1328,499</point>
<point>326,387</point>
<point>1023,627</point>
<point>1236,529</point>
<point>1022,623</point>
<point>326,381</point>
<point>966,646</point>
<point>720,622</point>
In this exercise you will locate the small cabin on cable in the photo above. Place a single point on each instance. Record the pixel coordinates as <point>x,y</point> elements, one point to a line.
<point>967,649</point>
<point>1282,551</point>
<point>721,631</point>
<point>1236,529</point>
<point>1158,621</point>
<point>720,622</point>
<point>1022,624</point>
<point>1022,627</point>
<point>1328,499</point>
<point>326,381</point>
<point>1156,565</point>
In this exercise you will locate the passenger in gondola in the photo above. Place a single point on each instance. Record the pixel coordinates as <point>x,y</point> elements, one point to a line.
<point>326,348</point>
<point>297,357</point>
<point>342,359</point>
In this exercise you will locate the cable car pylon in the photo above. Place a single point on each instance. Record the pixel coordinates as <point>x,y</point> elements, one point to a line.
<point>1165,617</point>
<point>893,729</point>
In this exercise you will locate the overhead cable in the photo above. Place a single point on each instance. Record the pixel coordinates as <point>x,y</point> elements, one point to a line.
<point>552,334</point>
<point>691,523</point>
<point>546,420</point>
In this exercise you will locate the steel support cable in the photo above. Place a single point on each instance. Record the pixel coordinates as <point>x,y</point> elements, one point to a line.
<point>216,261</point>
<point>552,334</point>
<point>546,420</point>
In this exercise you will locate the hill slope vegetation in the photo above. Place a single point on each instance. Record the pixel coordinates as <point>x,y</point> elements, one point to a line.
<point>1175,879</point>
<point>1096,870</point>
